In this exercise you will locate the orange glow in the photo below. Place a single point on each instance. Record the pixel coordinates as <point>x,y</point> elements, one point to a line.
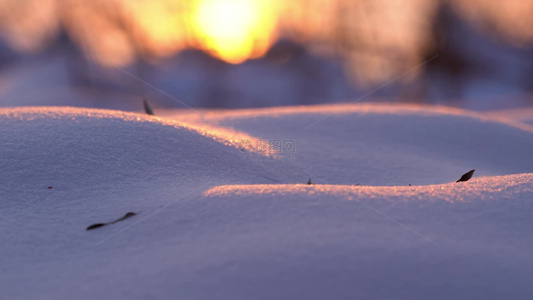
<point>159,26</point>
<point>235,30</point>
<point>100,36</point>
<point>450,192</point>
<point>223,135</point>
<point>117,32</point>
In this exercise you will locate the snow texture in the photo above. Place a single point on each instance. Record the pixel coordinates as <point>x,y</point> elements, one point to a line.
<point>383,219</point>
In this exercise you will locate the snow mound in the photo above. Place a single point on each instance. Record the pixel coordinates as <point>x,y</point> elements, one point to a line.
<point>211,224</point>
<point>505,187</point>
<point>387,144</point>
<point>523,115</point>
<point>95,148</point>
<point>454,241</point>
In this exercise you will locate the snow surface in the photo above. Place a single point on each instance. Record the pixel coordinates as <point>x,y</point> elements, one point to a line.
<point>222,219</point>
<point>383,144</point>
<point>523,115</point>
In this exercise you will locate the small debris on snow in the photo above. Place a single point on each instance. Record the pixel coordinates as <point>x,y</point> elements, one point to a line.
<point>466,176</point>
<point>127,215</point>
<point>147,109</point>
<point>98,225</point>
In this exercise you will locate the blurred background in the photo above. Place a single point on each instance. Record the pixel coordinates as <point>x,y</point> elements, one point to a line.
<point>474,54</point>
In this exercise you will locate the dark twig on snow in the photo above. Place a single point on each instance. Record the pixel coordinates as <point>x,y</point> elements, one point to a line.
<point>98,225</point>
<point>466,176</point>
<point>147,109</point>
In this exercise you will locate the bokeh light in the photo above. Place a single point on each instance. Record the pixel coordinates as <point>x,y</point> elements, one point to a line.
<point>235,30</point>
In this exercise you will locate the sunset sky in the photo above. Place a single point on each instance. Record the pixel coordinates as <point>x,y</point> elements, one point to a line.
<point>376,38</point>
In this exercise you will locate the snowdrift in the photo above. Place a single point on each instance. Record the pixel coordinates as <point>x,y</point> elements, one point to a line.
<point>215,220</point>
<point>94,148</point>
<point>386,144</point>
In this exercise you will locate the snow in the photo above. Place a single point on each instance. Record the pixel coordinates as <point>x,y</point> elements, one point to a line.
<point>386,145</point>
<point>217,221</point>
<point>523,115</point>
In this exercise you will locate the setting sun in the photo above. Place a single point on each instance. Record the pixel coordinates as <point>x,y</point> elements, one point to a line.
<point>235,30</point>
